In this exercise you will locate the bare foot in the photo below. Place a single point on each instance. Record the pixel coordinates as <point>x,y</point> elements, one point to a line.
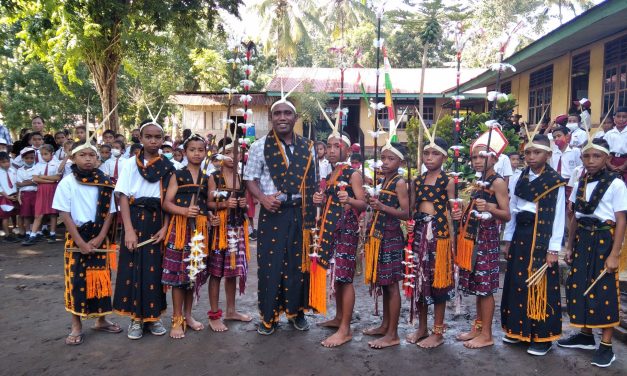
<point>467,336</point>
<point>417,335</point>
<point>217,326</point>
<point>384,342</point>
<point>335,323</point>
<point>378,331</point>
<point>431,342</point>
<point>482,340</point>
<point>337,339</point>
<point>236,316</point>
<point>195,325</point>
<point>177,332</point>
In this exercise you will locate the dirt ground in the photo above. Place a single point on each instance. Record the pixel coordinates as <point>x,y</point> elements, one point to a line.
<point>34,325</point>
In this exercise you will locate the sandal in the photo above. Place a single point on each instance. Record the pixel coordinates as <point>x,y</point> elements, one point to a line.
<point>179,321</point>
<point>109,328</point>
<point>74,340</point>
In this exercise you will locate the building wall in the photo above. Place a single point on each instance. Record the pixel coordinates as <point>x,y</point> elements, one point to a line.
<point>208,119</point>
<point>560,101</point>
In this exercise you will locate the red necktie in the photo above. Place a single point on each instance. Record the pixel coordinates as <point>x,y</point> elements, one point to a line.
<point>115,169</point>
<point>36,157</point>
<point>9,180</point>
<point>46,170</point>
<point>559,166</point>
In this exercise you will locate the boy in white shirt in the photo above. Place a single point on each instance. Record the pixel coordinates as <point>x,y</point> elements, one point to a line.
<point>8,195</point>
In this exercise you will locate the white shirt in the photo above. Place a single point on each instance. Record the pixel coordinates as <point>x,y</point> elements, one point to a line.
<point>578,138</point>
<point>59,154</point>
<point>80,200</point>
<point>517,205</point>
<point>511,185</point>
<point>571,158</point>
<point>109,167</point>
<point>4,181</point>
<point>577,173</point>
<point>617,140</point>
<point>503,166</point>
<point>325,168</point>
<point>24,174</point>
<point>40,168</point>
<point>600,133</point>
<point>17,161</point>
<point>612,201</point>
<point>131,184</point>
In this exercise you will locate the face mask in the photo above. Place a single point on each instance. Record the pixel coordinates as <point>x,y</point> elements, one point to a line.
<point>560,143</point>
<point>115,153</point>
<point>168,155</point>
<point>572,126</point>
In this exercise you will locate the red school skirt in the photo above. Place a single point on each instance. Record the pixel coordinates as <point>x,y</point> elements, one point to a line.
<point>27,208</point>
<point>43,200</point>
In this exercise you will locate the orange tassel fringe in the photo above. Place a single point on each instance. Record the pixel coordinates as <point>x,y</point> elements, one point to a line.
<point>443,276</point>
<point>371,255</point>
<point>246,240</point>
<point>318,289</point>
<point>464,251</point>
<point>306,262</point>
<point>537,300</point>
<point>98,283</point>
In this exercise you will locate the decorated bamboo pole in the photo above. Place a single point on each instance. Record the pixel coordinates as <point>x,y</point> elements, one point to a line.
<point>378,43</point>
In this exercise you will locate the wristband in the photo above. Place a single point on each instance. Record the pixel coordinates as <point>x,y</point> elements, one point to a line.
<point>554,253</point>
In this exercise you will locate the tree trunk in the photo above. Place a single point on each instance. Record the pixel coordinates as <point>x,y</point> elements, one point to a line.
<point>421,98</point>
<point>105,77</point>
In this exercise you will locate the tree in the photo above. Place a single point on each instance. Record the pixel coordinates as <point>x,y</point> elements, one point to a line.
<point>99,33</point>
<point>309,112</point>
<point>570,4</point>
<point>286,25</point>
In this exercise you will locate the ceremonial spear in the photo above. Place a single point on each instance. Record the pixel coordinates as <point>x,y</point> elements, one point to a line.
<point>378,44</point>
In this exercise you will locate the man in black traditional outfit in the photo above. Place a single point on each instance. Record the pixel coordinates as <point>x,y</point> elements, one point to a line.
<point>280,174</point>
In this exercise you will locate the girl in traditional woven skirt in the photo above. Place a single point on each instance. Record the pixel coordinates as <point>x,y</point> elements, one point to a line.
<point>230,250</point>
<point>384,248</point>
<point>596,236</point>
<point>187,242</point>
<point>478,243</point>
<point>85,202</point>
<point>139,293</point>
<point>47,177</point>
<point>338,237</point>
<point>433,258</point>
<point>531,305</point>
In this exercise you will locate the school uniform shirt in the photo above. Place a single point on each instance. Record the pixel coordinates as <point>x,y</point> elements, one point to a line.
<point>511,185</point>
<point>325,168</point>
<point>502,167</point>
<point>131,184</point>
<point>574,178</point>
<point>570,158</point>
<point>60,154</point>
<point>517,205</point>
<point>53,167</point>
<point>80,200</point>
<point>612,201</point>
<point>109,167</point>
<point>578,138</point>
<point>23,174</point>
<point>600,134</point>
<point>8,180</point>
<point>617,140</point>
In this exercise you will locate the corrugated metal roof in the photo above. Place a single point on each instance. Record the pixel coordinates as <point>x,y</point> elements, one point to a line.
<point>212,99</point>
<point>404,81</point>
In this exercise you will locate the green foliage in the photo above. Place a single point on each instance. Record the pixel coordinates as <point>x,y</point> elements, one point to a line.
<point>307,101</point>
<point>444,129</point>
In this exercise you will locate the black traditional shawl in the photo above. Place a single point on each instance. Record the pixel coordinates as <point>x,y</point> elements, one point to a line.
<point>438,195</point>
<point>605,179</point>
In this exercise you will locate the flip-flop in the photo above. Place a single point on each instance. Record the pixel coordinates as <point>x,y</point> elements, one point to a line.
<point>74,340</point>
<point>110,328</point>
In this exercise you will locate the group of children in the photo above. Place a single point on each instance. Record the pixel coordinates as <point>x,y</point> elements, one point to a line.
<point>200,221</point>
<point>531,207</point>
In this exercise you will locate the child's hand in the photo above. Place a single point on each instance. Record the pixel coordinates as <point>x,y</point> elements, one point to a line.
<point>506,247</point>
<point>86,248</point>
<point>456,214</point>
<point>410,225</point>
<point>568,257</point>
<point>481,205</point>
<point>160,235</point>
<point>96,242</point>
<point>551,259</point>
<point>375,204</point>
<point>130,240</point>
<point>318,198</point>
<point>214,220</point>
<point>193,211</point>
<point>611,263</point>
<point>242,202</point>
<point>343,197</point>
<point>231,203</point>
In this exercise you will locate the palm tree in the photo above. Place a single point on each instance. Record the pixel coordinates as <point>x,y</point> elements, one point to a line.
<point>340,15</point>
<point>284,26</point>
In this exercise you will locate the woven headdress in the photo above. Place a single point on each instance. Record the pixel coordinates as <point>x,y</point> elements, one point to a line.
<point>430,133</point>
<point>335,128</point>
<point>530,135</point>
<point>284,96</point>
<point>393,138</point>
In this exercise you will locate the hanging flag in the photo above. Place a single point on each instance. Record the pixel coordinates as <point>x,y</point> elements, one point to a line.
<point>387,68</point>
<point>364,95</point>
